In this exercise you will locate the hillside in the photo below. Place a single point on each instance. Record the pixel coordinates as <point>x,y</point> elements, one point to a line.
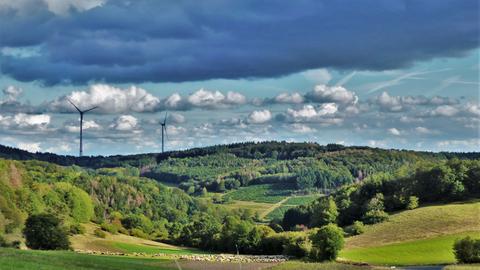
<point>420,236</point>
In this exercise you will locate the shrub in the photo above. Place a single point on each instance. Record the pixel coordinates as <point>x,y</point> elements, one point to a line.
<point>375,216</point>
<point>327,243</point>
<point>99,233</point>
<point>76,228</point>
<point>412,202</point>
<point>296,244</point>
<point>108,227</point>
<point>138,233</point>
<point>355,229</point>
<point>467,250</point>
<point>43,231</point>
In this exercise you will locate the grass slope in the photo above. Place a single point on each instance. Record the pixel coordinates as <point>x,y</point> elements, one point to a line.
<point>436,250</point>
<point>421,236</point>
<point>11,259</point>
<point>422,223</point>
<point>124,243</point>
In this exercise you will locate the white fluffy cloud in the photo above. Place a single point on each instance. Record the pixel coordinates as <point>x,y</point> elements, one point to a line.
<point>308,113</point>
<point>109,99</point>
<point>11,93</point>
<point>287,98</point>
<point>424,130</point>
<point>30,147</point>
<point>320,75</point>
<point>26,121</point>
<point>204,99</point>
<point>259,117</point>
<point>337,94</point>
<point>444,110</point>
<point>125,123</point>
<point>402,103</point>
<point>394,131</point>
<point>87,124</point>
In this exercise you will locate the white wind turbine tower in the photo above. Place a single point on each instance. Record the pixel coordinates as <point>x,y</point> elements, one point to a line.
<point>164,131</point>
<point>81,123</point>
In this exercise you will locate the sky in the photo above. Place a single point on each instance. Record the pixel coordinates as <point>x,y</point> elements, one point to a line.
<point>392,74</point>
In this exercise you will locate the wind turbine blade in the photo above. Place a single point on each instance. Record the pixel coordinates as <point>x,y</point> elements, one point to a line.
<point>166,134</point>
<point>165,120</point>
<point>74,105</point>
<point>90,109</point>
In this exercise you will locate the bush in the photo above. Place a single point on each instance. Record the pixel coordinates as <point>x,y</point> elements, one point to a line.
<point>355,229</point>
<point>138,233</point>
<point>76,228</point>
<point>375,216</point>
<point>43,231</point>
<point>412,202</point>
<point>108,227</point>
<point>99,233</point>
<point>327,243</point>
<point>467,250</point>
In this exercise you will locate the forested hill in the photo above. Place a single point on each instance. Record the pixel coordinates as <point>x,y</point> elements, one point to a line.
<point>251,150</point>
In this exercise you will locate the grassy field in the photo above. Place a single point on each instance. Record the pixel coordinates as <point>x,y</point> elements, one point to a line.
<point>279,211</point>
<point>421,236</point>
<point>422,223</point>
<point>124,243</point>
<point>11,259</point>
<point>436,250</point>
<point>265,193</point>
<point>301,200</point>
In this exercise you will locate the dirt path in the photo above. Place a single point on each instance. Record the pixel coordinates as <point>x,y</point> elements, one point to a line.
<point>273,207</point>
<point>15,177</point>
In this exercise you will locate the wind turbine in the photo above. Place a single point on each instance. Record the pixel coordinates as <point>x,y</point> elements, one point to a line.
<point>81,123</point>
<point>164,131</point>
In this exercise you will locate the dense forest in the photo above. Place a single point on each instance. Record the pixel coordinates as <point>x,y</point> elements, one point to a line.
<point>307,166</point>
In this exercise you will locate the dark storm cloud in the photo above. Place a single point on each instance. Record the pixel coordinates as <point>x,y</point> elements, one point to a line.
<point>139,41</point>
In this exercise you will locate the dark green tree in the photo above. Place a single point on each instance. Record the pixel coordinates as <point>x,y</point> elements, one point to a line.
<point>43,231</point>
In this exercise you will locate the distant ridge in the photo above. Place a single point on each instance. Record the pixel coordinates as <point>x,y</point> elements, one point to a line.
<point>286,150</point>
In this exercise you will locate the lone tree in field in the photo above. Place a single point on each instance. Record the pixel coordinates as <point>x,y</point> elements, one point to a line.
<point>327,243</point>
<point>43,231</point>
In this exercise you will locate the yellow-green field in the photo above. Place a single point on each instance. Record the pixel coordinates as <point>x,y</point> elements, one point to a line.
<point>416,237</point>
<point>123,243</point>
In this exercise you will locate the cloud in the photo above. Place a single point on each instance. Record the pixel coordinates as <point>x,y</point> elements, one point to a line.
<point>286,98</point>
<point>36,122</point>
<point>473,109</point>
<point>308,113</point>
<point>444,110</point>
<point>403,103</point>
<point>11,93</point>
<point>394,131</point>
<point>109,99</point>
<point>204,99</point>
<point>176,118</point>
<point>301,128</point>
<point>30,147</point>
<point>58,7</point>
<point>87,124</point>
<point>338,94</point>
<point>259,117</point>
<point>424,130</point>
<point>122,42</point>
<point>321,76</point>
<point>125,123</point>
